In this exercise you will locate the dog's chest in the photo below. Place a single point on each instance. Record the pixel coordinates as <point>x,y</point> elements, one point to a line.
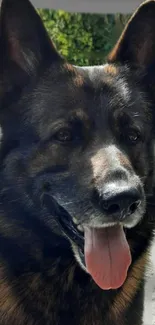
<point>36,300</point>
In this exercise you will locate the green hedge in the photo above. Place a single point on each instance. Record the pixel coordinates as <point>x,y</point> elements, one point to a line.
<point>84,39</point>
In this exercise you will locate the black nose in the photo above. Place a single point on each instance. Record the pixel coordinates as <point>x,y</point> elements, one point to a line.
<point>120,204</point>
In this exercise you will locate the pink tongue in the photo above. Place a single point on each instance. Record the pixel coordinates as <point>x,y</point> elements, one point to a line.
<point>107,256</point>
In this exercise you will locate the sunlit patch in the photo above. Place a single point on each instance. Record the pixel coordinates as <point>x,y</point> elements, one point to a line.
<point>111,69</point>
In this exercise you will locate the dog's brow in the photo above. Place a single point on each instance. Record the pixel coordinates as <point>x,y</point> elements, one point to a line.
<point>78,115</point>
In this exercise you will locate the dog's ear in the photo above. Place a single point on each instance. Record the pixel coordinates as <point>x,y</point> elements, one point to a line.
<point>24,42</point>
<point>136,45</point>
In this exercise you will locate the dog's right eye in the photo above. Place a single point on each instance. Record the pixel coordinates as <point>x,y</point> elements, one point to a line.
<point>133,136</point>
<point>64,135</point>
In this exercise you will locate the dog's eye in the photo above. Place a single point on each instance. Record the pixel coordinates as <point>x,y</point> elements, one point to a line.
<point>64,135</point>
<point>133,136</point>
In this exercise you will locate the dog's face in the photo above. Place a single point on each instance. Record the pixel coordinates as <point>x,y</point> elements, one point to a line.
<point>80,136</point>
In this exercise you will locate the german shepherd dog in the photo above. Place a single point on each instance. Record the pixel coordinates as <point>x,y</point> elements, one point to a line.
<point>76,175</point>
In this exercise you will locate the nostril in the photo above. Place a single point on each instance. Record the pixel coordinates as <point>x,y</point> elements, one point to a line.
<point>133,207</point>
<point>113,209</point>
<point>117,205</point>
<point>124,207</point>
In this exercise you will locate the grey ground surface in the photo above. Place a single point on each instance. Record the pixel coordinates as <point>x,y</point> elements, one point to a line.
<point>149,312</point>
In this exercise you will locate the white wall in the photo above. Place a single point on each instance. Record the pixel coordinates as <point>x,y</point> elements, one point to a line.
<point>104,6</point>
<point>98,6</point>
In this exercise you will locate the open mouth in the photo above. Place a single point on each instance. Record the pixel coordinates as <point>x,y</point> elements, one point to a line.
<point>106,254</point>
<point>104,251</point>
<point>64,220</point>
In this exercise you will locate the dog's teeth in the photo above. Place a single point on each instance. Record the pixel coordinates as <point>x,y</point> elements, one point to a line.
<point>80,228</point>
<point>75,221</point>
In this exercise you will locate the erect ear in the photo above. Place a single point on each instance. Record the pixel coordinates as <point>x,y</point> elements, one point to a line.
<point>136,45</point>
<point>24,43</point>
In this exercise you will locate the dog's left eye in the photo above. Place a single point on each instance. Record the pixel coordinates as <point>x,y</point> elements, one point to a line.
<point>133,136</point>
<point>64,135</point>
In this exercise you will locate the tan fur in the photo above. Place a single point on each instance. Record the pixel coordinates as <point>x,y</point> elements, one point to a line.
<point>130,288</point>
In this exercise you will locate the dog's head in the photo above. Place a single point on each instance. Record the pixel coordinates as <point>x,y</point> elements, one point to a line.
<point>80,139</point>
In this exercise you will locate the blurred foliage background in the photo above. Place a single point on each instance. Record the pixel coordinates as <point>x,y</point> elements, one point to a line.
<point>84,39</point>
